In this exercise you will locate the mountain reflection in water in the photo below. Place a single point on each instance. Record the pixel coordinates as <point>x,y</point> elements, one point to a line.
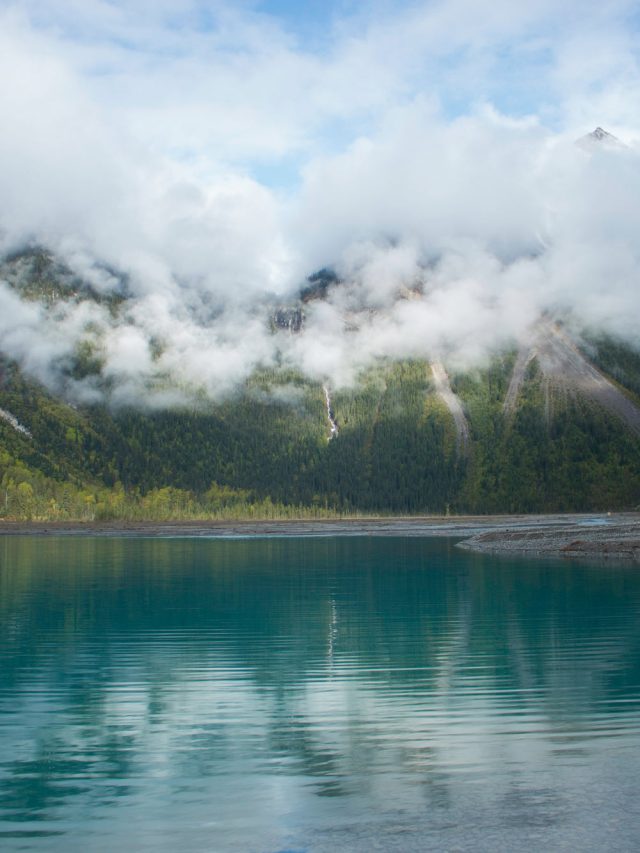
<point>314,694</point>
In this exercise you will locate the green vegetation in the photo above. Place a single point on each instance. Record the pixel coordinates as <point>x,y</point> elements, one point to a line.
<point>557,453</point>
<point>28,495</point>
<point>37,275</point>
<point>616,359</point>
<point>266,452</point>
<point>396,446</point>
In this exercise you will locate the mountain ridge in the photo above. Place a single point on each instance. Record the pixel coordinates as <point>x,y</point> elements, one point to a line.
<point>397,449</point>
<point>97,421</point>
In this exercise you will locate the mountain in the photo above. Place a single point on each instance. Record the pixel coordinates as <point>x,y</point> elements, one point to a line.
<point>553,425</point>
<point>599,138</point>
<point>98,421</point>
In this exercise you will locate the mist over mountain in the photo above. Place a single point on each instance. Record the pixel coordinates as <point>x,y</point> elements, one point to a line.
<point>481,252</point>
<point>194,170</point>
<point>387,261</point>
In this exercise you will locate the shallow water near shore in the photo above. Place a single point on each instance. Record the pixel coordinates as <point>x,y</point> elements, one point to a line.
<point>314,694</point>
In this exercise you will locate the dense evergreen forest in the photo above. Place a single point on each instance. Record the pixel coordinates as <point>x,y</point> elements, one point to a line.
<point>266,454</point>
<point>268,449</point>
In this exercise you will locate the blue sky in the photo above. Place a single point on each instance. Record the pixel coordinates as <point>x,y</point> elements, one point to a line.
<point>272,89</point>
<point>219,152</point>
<point>265,103</point>
<point>305,18</point>
<point>267,86</point>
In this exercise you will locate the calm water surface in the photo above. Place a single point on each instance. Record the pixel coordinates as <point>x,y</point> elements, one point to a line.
<point>342,694</point>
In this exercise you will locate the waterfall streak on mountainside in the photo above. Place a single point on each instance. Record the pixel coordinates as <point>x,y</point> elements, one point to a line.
<point>333,424</point>
<point>15,423</point>
<point>453,404</point>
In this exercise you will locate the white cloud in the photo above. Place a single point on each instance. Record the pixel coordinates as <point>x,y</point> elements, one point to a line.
<point>433,144</point>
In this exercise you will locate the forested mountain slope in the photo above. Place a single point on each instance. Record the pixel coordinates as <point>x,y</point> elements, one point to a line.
<point>551,426</point>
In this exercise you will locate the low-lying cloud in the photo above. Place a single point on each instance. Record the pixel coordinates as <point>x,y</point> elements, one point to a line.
<point>208,170</point>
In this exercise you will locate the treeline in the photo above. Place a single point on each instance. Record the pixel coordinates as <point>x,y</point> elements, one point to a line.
<point>27,495</point>
<point>395,451</point>
<point>267,452</point>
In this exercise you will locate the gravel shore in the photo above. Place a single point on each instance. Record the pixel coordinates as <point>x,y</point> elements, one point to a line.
<point>615,536</point>
<point>603,535</point>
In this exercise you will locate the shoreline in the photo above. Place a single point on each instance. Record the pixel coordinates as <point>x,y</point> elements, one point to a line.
<point>615,535</point>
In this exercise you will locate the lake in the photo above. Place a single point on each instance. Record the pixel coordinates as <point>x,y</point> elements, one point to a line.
<point>314,694</point>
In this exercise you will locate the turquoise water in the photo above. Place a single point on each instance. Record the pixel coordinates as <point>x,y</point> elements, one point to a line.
<point>348,694</point>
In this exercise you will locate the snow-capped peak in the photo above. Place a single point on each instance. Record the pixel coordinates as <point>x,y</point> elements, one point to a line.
<point>599,137</point>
